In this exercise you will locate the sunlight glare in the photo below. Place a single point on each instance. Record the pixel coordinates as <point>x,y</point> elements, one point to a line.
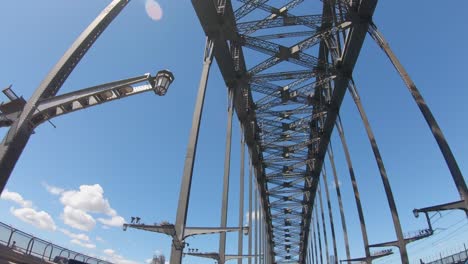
<point>153,9</point>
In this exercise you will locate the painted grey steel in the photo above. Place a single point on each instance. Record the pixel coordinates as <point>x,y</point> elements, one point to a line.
<point>169,229</point>
<point>28,244</point>
<point>184,195</point>
<point>240,238</point>
<point>52,107</point>
<point>261,232</point>
<point>256,224</point>
<point>340,201</point>
<point>427,114</point>
<point>383,174</point>
<point>351,50</point>
<point>357,196</point>
<point>227,168</point>
<point>20,131</point>
<point>310,255</point>
<point>250,210</point>
<point>460,205</point>
<point>288,173</point>
<point>315,241</point>
<point>215,256</point>
<point>330,214</point>
<point>324,230</point>
<point>319,235</point>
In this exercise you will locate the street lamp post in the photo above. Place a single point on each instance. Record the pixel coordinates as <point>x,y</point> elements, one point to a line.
<point>22,118</point>
<point>51,107</point>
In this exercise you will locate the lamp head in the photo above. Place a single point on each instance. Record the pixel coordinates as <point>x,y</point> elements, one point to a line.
<point>162,81</point>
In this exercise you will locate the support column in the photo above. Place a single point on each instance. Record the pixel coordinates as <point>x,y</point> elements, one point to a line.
<point>340,201</point>
<point>256,216</point>
<point>240,240</point>
<point>310,248</point>
<point>184,196</point>
<point>261,240</point>
<point>315,241</point>
<point>250,211</point>
<point>357,196</point>
<point>227,167</point>
<point>383,174</point>
<point>330,214</point>
<point>325,239</point>
<point>426,112</point>
<point>318,234</point>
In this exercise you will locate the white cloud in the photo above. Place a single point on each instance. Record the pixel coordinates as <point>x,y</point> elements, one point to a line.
<point>99,239</point>
<point>72,235</point>
<point>15,197</point>
<point>79,204</point>
<point>89,198</point>
<point>39,219</point>
<point>115,221</point>
<point>53,189</point>
<point>153,10</point>
<point>78,219</point>
<point>83,244</point>
<point>109,251</point>
<point>112,256</point>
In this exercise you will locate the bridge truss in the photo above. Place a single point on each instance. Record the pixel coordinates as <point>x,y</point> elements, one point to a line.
<point>288,65</point>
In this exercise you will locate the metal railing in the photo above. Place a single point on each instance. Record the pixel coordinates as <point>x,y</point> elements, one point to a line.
<point>456,258</point>
<point>28,244</point>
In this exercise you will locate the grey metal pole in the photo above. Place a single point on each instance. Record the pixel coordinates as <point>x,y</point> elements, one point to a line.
<point>340,201</point>
<point>250,211</point>
<point>227,167</point>
<point>261,240</point>
<point>315,241</point>
<point>308,250</point>
<point>184,195</point>
<point>330,214</point>
<point>357,196</point>
<point>311,248</point>
<point>383,174</point>
<point>318,234</point>
<point>426,112</point>
<point>265,257</point>
<point>256,224</point>
<point>325,239</point>
<point>260,252</point>
<point>240,240</point>
<point>20,131</point>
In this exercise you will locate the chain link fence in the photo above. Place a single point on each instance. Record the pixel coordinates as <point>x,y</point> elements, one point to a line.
<point>25,243</point>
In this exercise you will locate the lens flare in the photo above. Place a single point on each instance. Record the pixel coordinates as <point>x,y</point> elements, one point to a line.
<point>153,9</point>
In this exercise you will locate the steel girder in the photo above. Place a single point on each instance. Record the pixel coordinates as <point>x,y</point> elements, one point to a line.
<point>20,131</point>
<point>287,115</point>
<point>52,107</point>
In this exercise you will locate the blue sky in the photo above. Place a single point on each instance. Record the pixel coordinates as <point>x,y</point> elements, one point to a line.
<point>129,154</point>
